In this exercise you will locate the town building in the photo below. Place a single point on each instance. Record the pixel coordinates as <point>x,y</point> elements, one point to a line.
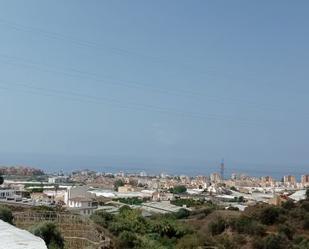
<point>58,179</point>
<point>79,200</point>
<point>267,181</point>
<point>289,180</point>
<point>215,177</point>
<point>162,196</point>
<point>126,188</point>
<point>82,205</point>
<point>7,193</point>
<point>305,180</point>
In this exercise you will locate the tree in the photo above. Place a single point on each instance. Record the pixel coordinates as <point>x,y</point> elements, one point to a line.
<point>1,180</point>
<point>6,214</point>
<point>247,225</point>
<point>102,218</point>
<point>307,193</point>
<point>169,228</point>
<point>269,215</point>
<point>49,232</point>
<point>127,239</point>
<point>182,213</point>
<point>289,204</point>
<point>118,183</point>
<point>178,189</point>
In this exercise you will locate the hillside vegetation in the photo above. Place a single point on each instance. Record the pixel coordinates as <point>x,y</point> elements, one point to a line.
<point>259,227</point>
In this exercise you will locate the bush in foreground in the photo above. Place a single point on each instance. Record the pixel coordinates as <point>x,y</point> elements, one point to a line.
<point>49,232</point>
<point>6,214</point>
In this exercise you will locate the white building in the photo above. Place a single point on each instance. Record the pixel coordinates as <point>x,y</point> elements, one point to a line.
<point>83,205</point>
<point>79,200</point>
<point>305,180</point>
<point>289,180</point>
<point>58,179</point>
<point>215,177</point>
<point>7,193</point>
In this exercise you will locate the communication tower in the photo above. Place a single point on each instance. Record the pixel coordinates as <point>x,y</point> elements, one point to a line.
<point>222,169</point>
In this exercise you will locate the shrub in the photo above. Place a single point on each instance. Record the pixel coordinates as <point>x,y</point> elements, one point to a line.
<point>226,242</point>
<point>275,242</point>
<point>269,215</point>
<point>188,241</point>
<point>128,220</point>
<point>169,228</point>
<point>306,222</point>
<point>50,234</point>
<point>217,227</point>
<point>304,244</point>
<point>6,214</point>
<point>149,243</point>
<point>298,239</point>
<point>288,205</point>
<point>247,225</point>
<point>288,231</point>
<point>102,218</point>
<point>208,211</point>
<point>297,213</point>
<point>257,243</point>
<point>305,205</point>
<point>182,213</point>
<point>131,201</point>
<point>127,239</point>
<point>240,239</point>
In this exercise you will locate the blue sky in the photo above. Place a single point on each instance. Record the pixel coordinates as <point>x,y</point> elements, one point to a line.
<point>155,85</point>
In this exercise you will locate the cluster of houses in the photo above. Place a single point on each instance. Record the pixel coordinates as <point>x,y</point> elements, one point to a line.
<point>84,199</point>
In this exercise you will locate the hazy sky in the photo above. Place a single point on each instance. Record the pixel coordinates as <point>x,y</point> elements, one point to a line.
<point>155,84</point>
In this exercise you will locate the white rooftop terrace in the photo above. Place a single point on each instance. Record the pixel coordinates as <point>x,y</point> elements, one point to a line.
<point>13,237</point>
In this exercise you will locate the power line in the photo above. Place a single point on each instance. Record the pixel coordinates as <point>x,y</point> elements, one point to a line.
<point>76,73</point>
<point>77,41</point>
<point>91,44</point>
<point>129,105</point>
<point>73,72</point>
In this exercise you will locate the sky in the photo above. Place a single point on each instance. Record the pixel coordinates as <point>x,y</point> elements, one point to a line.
<point>171,86</point>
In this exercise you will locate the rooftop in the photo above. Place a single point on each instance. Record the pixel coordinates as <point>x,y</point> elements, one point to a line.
<point>13,237</point>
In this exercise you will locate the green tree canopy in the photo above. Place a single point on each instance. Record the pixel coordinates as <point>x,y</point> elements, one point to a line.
<point>178,189</point>
<point>118,183</point>
<point>269,215</point>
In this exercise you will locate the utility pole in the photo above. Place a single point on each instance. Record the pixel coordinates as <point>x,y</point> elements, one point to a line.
<point>222,169</point>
